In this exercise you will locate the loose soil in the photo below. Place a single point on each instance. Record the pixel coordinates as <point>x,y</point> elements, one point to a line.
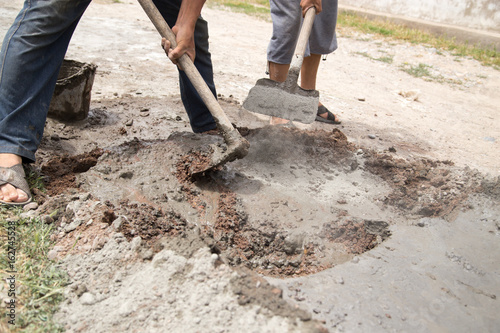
<point>388,222</point>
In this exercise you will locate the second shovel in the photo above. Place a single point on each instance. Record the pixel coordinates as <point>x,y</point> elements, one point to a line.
<point>286,99</point>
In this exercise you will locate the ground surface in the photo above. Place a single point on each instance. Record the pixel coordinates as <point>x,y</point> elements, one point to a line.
<point>388,222</point>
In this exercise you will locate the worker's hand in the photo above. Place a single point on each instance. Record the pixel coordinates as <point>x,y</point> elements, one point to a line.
<point>185,44</point>
<point>306,4</point>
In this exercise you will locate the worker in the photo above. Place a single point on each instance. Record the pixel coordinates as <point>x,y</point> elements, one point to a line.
<point>287,19</point>
<point>32,53</point>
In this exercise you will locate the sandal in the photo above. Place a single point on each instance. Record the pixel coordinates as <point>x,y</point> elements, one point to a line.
<point>15,176</point>
<point>330,119</point>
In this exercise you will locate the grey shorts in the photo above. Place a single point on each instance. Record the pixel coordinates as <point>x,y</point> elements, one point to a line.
<point>287,19</point>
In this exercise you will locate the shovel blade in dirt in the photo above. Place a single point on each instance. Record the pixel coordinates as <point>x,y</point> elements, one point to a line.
<point>286,99</point>
<point>237,146</point>
<point>275,99</point>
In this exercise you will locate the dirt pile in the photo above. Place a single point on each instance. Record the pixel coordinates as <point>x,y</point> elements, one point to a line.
<point>230,217</point>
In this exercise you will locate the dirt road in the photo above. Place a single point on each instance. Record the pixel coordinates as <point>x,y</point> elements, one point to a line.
<point>388,222</point>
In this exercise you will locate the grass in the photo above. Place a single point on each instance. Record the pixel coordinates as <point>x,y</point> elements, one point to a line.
<point>39,283</point>
<point>381,28</point>
<point>385,28</point>
<point>259,8</point>
<point>387,59</point>
<point>424,71</point>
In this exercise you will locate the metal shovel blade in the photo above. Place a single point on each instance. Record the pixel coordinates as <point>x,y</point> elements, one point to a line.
<point>216,155</point>
<point>283,100</point>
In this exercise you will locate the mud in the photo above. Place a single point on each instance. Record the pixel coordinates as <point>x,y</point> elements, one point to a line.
<point>60,171</point>
<point>246,214</point>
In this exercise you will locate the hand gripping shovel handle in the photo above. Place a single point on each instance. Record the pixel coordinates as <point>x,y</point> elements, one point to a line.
<point>231,136</point>
<point>300,48</point>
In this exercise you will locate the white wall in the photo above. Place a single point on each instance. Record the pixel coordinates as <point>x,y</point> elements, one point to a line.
<point>474,14</point>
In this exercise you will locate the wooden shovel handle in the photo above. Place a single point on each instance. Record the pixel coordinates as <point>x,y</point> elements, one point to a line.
<point>300,48</point>
<point>227,129</point>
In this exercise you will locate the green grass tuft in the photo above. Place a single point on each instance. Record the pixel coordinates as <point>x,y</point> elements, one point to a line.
<point>39,281</point>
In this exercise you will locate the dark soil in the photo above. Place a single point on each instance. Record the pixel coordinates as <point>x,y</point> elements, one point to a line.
<point>60,171</point>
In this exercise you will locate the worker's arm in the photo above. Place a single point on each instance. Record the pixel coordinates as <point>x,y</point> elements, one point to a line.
<point>306,4</point>
<point>184,30</point>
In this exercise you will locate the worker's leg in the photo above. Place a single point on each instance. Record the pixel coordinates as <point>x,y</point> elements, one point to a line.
<point>31,56</point>
<point>199,116</point>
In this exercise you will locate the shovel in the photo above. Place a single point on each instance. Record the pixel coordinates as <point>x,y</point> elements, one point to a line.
<point>237,146</point>
<point>286,99</point>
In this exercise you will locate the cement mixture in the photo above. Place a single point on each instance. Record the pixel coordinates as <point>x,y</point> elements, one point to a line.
<point>389,222</point>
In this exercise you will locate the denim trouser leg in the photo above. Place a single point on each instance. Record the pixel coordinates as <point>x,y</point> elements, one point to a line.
<point>31,56</point>
<point>199,116</point>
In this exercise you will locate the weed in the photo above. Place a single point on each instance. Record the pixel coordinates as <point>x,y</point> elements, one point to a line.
<point>258,8</point>
<point>424,71</point>
<point>35,180</point>
<point>39,283</point>
<point>387,59</point>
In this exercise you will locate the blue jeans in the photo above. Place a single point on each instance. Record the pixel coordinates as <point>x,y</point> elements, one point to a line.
<point>31,56</point>
<point>199,116</point>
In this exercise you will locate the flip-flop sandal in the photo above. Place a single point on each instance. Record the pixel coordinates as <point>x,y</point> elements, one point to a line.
<point>330,119</point>
<point>15,176</point>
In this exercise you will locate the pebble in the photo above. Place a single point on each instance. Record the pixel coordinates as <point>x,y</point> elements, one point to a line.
<point>213,258</point>
<point>411,95</point>
<point>355,260</point>
<point>30,206</point>
<point>28,215</point>
<point>372,136</point>
<point>135,244</point>
<point>73,225</point>
<point>87,299</point>
<point>117,224</point>
<point>52,254</point>
<point>126,309</point>
<point>129,122</point>
<point>47,219</point>
<point>84,196</point>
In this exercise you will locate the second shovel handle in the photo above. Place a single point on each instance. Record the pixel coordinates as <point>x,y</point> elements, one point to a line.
<point>300,48</point>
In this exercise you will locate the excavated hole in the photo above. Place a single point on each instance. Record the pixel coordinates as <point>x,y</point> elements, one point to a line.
<point>274,237</point>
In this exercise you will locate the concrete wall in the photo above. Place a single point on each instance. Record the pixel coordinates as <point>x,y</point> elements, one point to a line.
<point>472,14</point>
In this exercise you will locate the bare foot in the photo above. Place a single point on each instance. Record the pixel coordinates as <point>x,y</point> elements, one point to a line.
<point>9,193</point>
<point>278,121</point>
